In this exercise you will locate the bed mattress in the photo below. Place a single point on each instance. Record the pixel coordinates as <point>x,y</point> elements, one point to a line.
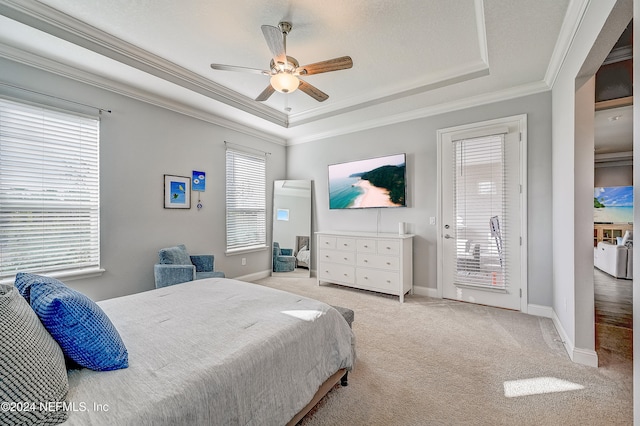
<point>213,351</point>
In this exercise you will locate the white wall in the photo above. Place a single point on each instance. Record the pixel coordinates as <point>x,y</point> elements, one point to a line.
<point>418,140</point>
<point>139,143</point>
<point>584,158</point>
<point>572,183</point>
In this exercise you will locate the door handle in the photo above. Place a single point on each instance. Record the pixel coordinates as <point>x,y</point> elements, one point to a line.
<point>447,236</point>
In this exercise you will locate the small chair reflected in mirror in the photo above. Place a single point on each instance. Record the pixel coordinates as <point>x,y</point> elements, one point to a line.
<point>283,259</point>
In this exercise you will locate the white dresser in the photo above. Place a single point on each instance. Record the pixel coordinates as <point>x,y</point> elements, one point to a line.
<point>371,261</point>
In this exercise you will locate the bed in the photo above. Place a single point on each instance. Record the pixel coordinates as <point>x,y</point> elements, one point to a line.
<point>215,351</point>
<point>303,254</point>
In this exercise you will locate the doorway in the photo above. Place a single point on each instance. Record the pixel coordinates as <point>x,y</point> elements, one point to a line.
<point>482,203</point>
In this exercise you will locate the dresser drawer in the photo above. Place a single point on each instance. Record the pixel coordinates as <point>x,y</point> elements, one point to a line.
<point>348,244</point>
<point>336,273</point>
<point>366,246</point>
<point>386,282</point>
<point>389,247</point>
<point>334,256</point>
<point>326,242</point>
<point>378,261</point>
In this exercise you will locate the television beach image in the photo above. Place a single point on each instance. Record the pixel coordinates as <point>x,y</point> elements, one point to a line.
<point>371,183</point>
<point>613,204</point>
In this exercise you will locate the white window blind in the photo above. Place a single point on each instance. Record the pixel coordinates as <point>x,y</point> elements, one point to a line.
<point>49,190</point>
<point>246,201</point>
<point>480,206</point>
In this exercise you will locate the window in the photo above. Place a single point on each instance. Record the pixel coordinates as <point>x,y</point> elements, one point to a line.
<point>480,205</point>
<point>49,191</point>
<point>246,201</point>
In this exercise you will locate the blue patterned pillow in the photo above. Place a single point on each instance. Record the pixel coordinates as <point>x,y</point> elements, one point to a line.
<point>81,328</point>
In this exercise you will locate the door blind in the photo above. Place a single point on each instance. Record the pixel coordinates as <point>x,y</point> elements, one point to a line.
<point>49,190</point>
<point>246,201</point>
<point>480,211</point>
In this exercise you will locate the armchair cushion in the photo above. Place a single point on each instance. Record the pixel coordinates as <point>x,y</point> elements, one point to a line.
<point>177,255</point>
<point>202,262</point>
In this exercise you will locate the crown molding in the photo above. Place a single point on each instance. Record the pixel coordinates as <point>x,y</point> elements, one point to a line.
<point>473,101</point>
<point>65,27</point>
<point>572,20</point>
<point>434,81</point>
<point>63,70</point>
<point>60,25</point>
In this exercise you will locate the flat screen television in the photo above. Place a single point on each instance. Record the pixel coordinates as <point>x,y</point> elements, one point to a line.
<point>370,183</point>
<point>613,204</point>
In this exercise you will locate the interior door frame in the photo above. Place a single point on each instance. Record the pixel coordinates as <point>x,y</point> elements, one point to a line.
<point>479,126</point>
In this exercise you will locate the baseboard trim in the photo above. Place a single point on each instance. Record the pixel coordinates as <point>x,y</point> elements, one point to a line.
<point>582,356</point>
<point>254,277</point>
<point>425,291</point>
<point>540,311</point>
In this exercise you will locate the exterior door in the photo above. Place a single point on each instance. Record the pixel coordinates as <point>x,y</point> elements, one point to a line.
<point>481,203</point>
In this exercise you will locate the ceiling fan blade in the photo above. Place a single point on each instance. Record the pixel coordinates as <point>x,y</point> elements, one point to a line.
<point>276,42</point>
<point>266,93</point>
<point>341,63</point>
<point>313,91</point>
<point>222,67</point>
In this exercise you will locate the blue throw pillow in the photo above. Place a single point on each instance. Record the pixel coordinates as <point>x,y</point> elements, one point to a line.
<point>81,328</point>
<point>177,255</point>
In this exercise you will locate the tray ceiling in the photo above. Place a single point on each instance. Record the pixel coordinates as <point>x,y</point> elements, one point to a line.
<point>410,57</point>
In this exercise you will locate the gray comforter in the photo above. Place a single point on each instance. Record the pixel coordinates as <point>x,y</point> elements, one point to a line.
<point>213,352</point>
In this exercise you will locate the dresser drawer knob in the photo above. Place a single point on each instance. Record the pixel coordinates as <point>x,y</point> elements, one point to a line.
<point>389,281</point>
<point>346,275</point>
<point>389,263</point>
<point>366,261</point>
<point>346,258</point>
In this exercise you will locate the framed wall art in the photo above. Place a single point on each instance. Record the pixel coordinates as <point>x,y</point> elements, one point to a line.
<point>198,181</point>
<point>177,192</point>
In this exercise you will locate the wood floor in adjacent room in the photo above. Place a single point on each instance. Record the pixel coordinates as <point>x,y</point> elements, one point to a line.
<point>614,320</point>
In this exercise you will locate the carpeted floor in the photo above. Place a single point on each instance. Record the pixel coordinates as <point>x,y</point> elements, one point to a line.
<point>440,362</point>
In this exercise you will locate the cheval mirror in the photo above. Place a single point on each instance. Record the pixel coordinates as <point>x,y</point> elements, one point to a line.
<point>291,228</point>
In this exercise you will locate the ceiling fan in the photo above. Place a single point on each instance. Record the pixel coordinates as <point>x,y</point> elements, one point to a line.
<point>285,71</point>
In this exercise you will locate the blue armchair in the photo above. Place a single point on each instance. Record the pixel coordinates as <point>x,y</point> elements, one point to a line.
<point>177,266</point>
<point>283,259</point>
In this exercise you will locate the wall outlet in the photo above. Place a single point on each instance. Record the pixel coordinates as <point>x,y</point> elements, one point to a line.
<point>244,261</point>
<point>432,221</point>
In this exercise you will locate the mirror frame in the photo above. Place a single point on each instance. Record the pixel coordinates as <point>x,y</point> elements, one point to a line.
<point>291,228</point>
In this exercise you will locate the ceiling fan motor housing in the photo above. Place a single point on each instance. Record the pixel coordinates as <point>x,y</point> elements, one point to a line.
<point>285,27</point>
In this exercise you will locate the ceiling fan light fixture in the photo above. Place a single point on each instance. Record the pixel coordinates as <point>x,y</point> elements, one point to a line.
<point>285,82</point>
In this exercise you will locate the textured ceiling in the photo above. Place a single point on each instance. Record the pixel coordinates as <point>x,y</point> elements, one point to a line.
<point>410,56</point>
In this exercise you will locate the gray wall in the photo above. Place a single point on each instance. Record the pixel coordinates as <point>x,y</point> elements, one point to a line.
<point>614,176</point>
<point>139,143</point>
<point>417,139</point>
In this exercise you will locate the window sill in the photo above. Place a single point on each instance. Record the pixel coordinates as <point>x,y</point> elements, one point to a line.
<point>71,275</point>
<point>245,250</point>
